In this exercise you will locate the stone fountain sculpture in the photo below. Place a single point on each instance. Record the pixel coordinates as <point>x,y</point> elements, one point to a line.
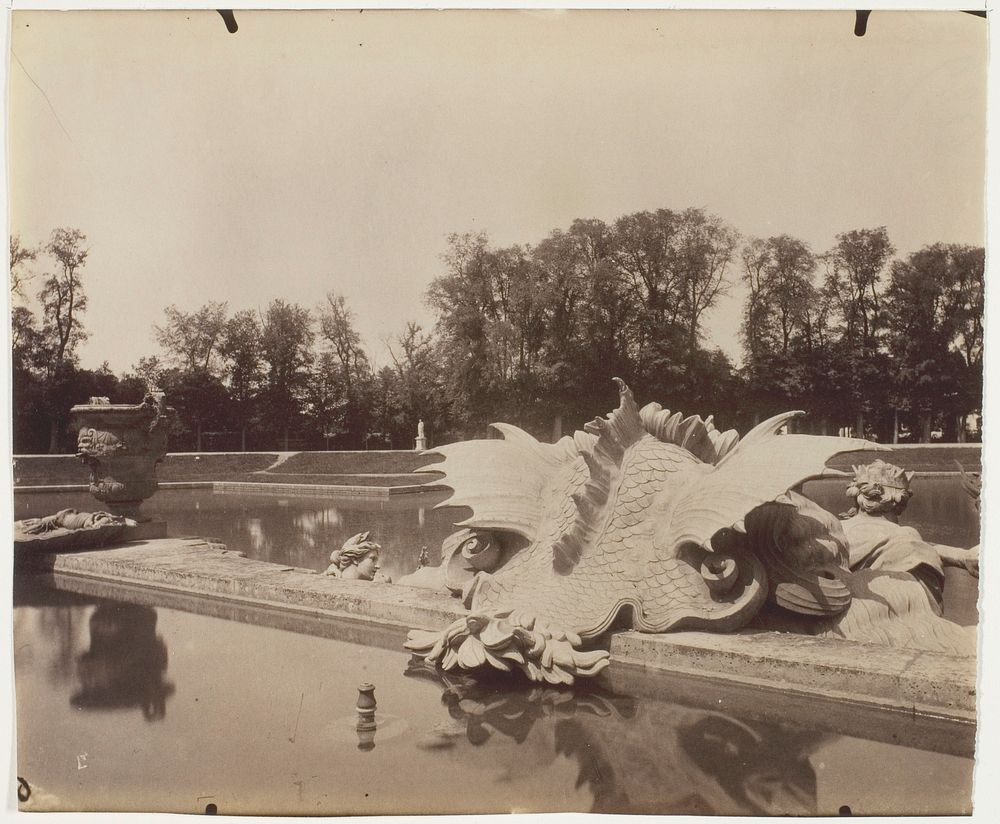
<point>655,522</point>
<point>121,444</point>
<point>880,492</point>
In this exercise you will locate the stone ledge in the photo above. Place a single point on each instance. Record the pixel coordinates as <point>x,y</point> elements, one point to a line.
<point>871,675</point>
<point>904,679</point>
<point>262,488</point>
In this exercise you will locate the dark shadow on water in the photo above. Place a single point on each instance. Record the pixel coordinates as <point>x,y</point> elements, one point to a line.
<point>125,665</point>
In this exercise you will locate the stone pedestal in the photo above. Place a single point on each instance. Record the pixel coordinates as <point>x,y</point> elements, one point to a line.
<point>420,444</point>
<point>121,445</point>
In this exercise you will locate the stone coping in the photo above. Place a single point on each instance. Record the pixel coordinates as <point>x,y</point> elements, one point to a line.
<point>273,488</point>
<point>913,681</point>
<point>904,679</point>
<point>264,488</point>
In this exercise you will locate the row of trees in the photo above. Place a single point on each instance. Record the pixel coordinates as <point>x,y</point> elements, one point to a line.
<point>533,335</point>
<point>855,336</point>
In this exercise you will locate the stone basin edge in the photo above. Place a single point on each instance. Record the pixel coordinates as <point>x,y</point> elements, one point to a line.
<point>897,679</point>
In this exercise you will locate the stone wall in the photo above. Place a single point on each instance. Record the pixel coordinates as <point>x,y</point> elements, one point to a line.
<point>396,467</point>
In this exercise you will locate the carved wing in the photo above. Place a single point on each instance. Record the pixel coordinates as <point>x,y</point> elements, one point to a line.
<point>506,482</point>
<point>760,469</point>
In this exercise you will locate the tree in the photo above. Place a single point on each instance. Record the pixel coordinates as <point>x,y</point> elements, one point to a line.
<point>491,306</point>
<point>932,302</point>
<point>965,306</point>
<point>201,401</point>
<point>705,250</point>
<point>855,283</point>
<point>19,255</point>
<point>336,323</point>
<point>30,420</point>
<point>25,339</point>
<point>781,329</point>
<point>286,350</point>
<point>675,266</point>
<point>148,370</point>
<point>240,348</point>
<point>413,387</point>
<point>573,266</point>
<point>62,296</point>
<point>192,339</point>
<point>63,301</point>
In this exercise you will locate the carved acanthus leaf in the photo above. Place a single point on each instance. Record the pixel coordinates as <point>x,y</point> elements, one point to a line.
<point>506,640</point>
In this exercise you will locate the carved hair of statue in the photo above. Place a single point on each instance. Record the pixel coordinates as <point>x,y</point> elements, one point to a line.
<point>879,488</point>
<point>352,553</point>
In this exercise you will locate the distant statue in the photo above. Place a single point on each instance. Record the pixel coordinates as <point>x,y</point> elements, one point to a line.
<point>357,560</point>
<point>880,492</point>
<point>420,428</point>
<point>421,442</point>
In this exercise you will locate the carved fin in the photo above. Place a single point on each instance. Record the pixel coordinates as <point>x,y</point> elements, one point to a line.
<point>502,481</point>
<point>699,437</point>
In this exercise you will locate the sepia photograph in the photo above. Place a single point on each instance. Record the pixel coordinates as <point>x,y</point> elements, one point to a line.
<point>471,411</point>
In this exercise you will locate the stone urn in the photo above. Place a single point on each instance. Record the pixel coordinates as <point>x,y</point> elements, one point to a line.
<point>121,444</point>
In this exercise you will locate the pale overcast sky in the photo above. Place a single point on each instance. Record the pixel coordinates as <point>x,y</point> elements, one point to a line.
<point>336,150</point>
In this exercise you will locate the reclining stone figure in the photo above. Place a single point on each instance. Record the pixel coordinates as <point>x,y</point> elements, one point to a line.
<point>880,492</point>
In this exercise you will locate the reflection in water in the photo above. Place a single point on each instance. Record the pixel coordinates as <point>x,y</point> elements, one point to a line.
<point>63,624</point>
<point>291,530</point>
<point>636,757</point>
<point>125,664</point>
<point>254,529</point>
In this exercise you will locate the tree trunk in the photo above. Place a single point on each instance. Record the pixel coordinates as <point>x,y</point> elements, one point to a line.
<point>960,429</point>
<point>895,426</point>
<point>53,436</point>
<point>198,440</point>
<point>286,439</point>
<point>243,439</point>
<point>556,428</point>
<point>925,427</point>
<point>860,431</point>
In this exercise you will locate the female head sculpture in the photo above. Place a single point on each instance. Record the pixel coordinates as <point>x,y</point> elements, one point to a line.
<point>879,489</point>
<point>356,560</point>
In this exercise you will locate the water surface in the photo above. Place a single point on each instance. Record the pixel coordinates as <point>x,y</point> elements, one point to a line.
<point>124,705</point>
<point>302,530</point>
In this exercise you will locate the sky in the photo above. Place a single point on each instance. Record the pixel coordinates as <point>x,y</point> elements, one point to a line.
<point>319,151</point>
